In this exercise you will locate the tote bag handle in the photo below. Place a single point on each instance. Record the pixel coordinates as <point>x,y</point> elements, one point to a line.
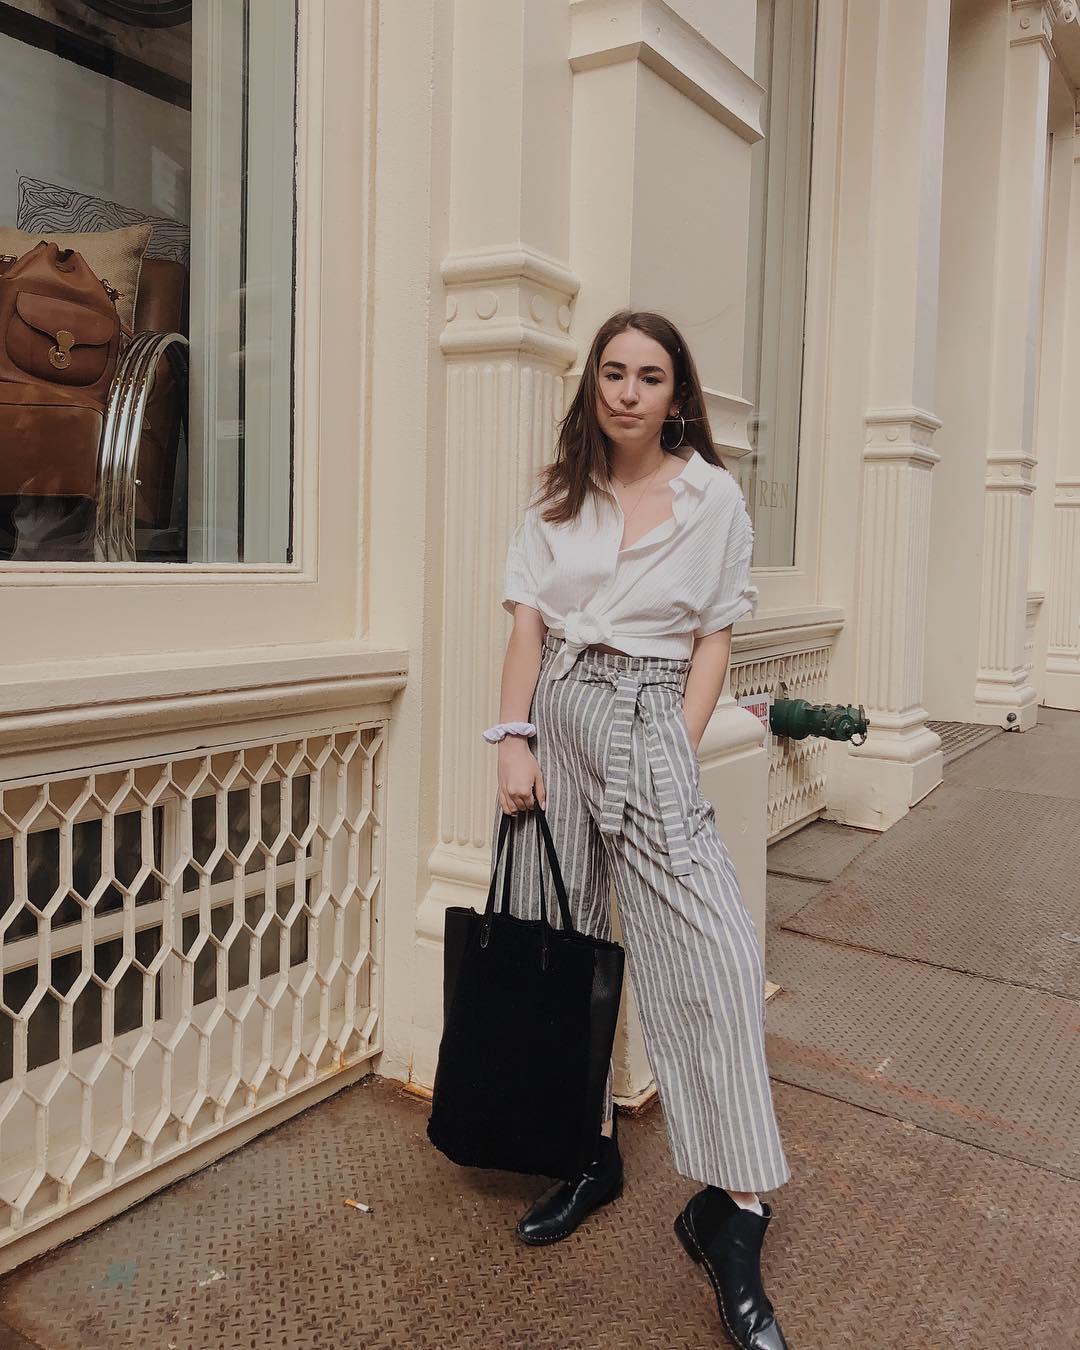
<point>544,844</point>
<point>506,839</point>
<point>556,870</point>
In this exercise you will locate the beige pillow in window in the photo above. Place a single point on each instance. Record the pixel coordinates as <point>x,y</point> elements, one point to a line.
<point>113,255</point>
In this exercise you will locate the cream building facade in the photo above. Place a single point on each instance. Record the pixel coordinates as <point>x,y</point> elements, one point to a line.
<point>259,774</point>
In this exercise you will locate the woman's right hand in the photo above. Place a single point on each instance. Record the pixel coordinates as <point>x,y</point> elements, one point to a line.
<point>521,784</point>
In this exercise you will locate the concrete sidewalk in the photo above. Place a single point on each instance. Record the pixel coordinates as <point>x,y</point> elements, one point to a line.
<point>924,1050</point>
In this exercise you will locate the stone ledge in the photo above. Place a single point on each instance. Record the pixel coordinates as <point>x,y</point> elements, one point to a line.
<point>779,631</point>
<point>82,702</point>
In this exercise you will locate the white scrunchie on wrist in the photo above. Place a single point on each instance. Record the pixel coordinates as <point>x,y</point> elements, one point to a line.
<point>501,729</point>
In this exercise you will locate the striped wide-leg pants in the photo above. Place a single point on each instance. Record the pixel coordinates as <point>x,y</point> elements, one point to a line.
<point>624,805</point>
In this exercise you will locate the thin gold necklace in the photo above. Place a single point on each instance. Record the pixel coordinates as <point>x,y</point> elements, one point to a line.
<point>663,456</point>
<point>641,498</point>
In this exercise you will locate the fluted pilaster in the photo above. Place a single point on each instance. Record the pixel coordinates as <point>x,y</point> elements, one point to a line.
<point>506,344</point>
<point>1065,571</point>
<point>507,318</point>
<point>875,784</point>
<point>1061,680</point>
<point>1002,692</point>
<point>1063,651</point>
<point>894,545</point>
<point>1002,678</point>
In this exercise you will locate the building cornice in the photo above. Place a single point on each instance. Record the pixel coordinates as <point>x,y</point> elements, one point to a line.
<point>608,32</point>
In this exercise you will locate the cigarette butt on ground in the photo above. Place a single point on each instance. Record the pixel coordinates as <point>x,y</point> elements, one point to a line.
<point>359,1204</point>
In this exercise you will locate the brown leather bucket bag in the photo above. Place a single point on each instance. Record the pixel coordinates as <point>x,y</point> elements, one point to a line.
<point>58,324</point>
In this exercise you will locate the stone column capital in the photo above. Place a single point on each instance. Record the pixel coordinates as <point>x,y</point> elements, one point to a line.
<point>1067,492</point>
<point>1011,472</point>
<point>901,435</point>
<point>509,298</point>
<point>1032,21</point>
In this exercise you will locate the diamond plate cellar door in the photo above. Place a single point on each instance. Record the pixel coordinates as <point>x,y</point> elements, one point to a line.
<point>185,943</point>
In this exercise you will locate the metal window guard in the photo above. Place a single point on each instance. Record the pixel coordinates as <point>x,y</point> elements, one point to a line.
<point>118,454</point>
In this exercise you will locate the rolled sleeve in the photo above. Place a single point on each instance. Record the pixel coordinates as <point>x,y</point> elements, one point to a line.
<point>520,584</point>
<point>734,595</point>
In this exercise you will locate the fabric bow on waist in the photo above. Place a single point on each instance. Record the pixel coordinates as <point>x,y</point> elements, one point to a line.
<point>628,686</point>
<point>582,629</point>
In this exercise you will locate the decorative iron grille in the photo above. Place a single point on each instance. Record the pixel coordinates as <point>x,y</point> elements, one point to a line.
<point>185,943</point>
<point>797,769</point>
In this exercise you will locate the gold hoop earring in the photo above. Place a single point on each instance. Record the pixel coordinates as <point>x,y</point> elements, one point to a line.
<point>682,432</point>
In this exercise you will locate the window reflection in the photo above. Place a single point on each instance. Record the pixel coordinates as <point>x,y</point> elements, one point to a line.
<point>146,235</point>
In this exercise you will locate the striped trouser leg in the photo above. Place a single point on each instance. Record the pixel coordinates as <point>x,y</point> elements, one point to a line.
<point>692,953</point>
<point>698,984</point>
<point>695,963</point>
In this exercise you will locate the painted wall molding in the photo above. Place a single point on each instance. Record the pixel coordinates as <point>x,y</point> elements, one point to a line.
<point>607,32</point>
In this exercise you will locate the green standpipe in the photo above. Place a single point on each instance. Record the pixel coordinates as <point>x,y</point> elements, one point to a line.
<point>796,718</point>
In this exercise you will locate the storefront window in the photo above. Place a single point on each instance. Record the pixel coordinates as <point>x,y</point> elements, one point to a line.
<point>146,281</point>
<point>776,299</point>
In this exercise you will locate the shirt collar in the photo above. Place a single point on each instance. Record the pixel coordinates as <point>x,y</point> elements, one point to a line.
<point>695,475</point>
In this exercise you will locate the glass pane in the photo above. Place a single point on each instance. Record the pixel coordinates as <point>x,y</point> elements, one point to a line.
<point>238,811</point>
<point>43,870</point>
<point>239,946</point>
<point>146,225</point>
<point>43,1029</point>
<point>776,297</point>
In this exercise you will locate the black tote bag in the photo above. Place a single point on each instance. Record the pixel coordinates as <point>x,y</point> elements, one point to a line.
<point>529,1022</point>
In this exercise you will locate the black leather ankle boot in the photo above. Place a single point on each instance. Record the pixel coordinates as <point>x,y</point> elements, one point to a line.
<point>726,1240</point>
<point>559,1211</point>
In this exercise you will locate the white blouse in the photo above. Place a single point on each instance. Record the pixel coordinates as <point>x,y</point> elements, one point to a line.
<point>687,577</point>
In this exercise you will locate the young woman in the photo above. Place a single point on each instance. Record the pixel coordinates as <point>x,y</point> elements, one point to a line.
<point>624,579</point>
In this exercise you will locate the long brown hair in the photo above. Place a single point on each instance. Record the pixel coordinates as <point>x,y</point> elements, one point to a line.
<point>583,449</point>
